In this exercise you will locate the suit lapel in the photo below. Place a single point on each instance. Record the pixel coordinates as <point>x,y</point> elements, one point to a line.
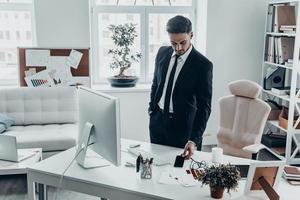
<point>165,65</point>
<point>164,69</point>
<point>184,69</point>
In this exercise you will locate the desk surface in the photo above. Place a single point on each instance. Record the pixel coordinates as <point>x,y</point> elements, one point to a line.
<point>125,180</point>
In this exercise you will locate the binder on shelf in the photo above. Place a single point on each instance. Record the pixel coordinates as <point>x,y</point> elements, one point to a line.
<point>276,50</point>
<point>274,78</point>
<point>270,18</point>
<point>271,50</point>
<point>287,48</point>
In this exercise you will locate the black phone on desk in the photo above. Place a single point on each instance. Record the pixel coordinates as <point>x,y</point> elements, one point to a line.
<point>179,161</point>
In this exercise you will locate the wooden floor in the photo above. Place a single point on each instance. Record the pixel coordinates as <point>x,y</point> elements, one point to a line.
<point>14,187</point>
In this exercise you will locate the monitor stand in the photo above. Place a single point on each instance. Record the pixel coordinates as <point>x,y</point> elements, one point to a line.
<point>86,157</point>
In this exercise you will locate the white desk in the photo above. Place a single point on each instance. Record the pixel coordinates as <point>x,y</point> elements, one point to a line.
<point>124,183</point>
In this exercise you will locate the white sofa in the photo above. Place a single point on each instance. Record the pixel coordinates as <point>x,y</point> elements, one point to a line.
<point>45,117</point>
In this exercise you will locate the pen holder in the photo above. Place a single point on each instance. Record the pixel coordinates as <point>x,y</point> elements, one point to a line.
<point>146,170</point>
<point>144,166</point>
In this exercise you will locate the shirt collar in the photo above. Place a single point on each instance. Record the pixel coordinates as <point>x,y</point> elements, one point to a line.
<point>185,55</point>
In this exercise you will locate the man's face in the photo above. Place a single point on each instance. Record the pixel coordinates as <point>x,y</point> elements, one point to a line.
<point>180,42</point>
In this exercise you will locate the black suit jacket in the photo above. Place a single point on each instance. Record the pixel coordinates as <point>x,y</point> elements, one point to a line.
<point>191,95</point>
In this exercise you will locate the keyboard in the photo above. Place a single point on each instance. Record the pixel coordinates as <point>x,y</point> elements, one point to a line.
<point>157,160</point>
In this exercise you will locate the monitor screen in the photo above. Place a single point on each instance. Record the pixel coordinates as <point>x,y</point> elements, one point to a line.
<point>102,111</point>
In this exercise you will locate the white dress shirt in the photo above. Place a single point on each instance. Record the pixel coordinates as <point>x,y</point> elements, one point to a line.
<point>180,62</point>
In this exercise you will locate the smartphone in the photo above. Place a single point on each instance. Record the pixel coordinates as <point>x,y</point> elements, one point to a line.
<point>179,161</point>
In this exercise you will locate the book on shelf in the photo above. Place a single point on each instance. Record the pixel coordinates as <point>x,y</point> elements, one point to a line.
<point>291,173</point>
<point>287,64</point>
<point>288,27</point>
<point>289,31</point>
<point>280,90</point>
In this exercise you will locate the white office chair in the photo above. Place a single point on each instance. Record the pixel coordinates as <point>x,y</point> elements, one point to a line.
<point>242,118</point>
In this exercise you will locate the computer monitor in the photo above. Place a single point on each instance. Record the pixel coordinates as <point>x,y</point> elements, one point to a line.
<point>99,128</point>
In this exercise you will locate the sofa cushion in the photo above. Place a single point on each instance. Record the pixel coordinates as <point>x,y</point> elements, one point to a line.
<point>52,137</point>
<point>5,122</point>
<point>56,105</point>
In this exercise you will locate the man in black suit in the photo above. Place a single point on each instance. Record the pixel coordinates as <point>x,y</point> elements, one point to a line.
<point>181,91</point>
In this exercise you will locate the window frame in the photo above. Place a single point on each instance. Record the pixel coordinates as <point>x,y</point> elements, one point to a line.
<point>8,6</point>
<point>144,12</point>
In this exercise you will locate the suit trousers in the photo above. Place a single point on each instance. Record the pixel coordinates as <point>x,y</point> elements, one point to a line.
<point>163,131</point>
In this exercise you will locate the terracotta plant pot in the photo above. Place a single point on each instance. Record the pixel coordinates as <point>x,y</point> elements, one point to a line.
<point>216,192</point>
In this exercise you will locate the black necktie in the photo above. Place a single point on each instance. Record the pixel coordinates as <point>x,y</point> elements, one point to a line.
<point>170,86</point>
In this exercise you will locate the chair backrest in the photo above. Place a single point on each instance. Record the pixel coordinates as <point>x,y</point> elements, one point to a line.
<point>242,118</point>
<point>41,105</point>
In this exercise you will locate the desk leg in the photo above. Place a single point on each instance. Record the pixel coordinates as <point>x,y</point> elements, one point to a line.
<point>30,188</point>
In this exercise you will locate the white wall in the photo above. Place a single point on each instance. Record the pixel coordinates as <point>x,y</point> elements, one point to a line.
<point>235,33</point>
<point>62,23</point>
<point>134,115</point>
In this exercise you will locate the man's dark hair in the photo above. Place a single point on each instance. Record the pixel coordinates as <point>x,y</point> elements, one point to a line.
<point>179,24</point>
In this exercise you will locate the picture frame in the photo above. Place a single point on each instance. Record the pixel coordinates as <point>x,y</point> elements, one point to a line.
<point>271,172</point>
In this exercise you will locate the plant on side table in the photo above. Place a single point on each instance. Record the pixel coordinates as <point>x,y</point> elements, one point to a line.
<point>123,36</point>
<point>220,177</point>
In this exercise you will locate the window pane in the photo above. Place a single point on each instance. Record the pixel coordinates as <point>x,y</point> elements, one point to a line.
<point>16,1</point>
<point>106,43</point>
<point>158,36</point>
<point>146,2</point>
<point>13,33</point>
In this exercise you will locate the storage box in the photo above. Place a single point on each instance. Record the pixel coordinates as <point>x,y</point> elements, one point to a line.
<point>283,121</point>
<point>274,114</point>
<point>270,141</point>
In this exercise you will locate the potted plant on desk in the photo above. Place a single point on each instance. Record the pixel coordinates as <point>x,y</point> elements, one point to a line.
<point>220,177</point>
<point>122,57</point>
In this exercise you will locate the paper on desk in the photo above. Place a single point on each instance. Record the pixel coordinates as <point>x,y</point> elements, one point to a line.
<point>37,57</point>
<point>177,177</point>
<point>166,178</point>
<point>74,58</point>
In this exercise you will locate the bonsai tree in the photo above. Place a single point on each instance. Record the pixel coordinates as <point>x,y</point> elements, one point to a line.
<point>220,177</point>
<point>123,37</point>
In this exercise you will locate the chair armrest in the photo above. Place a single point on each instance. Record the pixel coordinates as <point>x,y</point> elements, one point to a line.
<point>254,148</point>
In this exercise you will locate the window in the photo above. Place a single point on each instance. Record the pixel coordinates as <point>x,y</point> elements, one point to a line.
<point>151,22</point>
<point>2,56</point>
<point>18,35</point>
<point>15,31</point>
<point>7,34</point>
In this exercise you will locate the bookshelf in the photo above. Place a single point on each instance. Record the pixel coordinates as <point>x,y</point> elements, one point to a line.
<point>281,51</point>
